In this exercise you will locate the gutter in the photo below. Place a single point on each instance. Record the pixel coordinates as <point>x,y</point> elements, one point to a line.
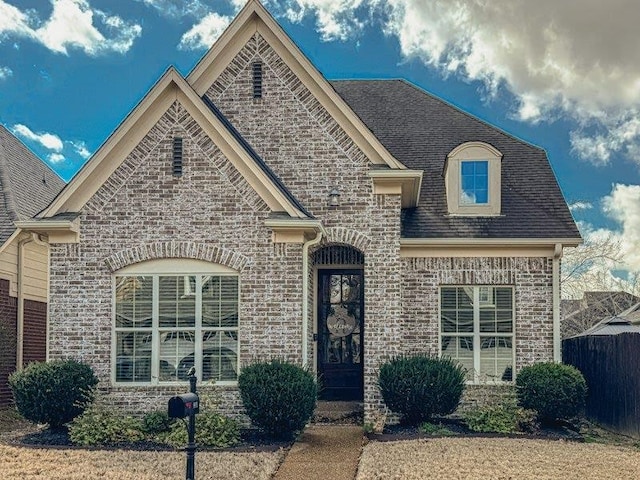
<point>305,292</point>
<point>557,340</point>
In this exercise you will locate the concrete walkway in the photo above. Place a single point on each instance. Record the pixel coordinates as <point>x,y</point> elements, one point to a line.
<point>323,452</point>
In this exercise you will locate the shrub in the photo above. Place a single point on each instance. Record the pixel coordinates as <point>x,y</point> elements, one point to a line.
<point>279,397</point>
<point>504,417</point>
<point>53,392</point>
<point>422,386</point>
<point>98,426</point>
<point>554,390</point>
<point>436,429</point>
<point>212,430</point>
<point>156,422</point>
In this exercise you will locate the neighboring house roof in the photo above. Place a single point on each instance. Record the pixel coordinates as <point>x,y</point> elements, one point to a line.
<point>579,315</point>
<point>420,130</point>
<point>27,184</point>
<point>611,326</point>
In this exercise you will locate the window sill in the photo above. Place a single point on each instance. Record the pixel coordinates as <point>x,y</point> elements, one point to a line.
<point>207,383</point>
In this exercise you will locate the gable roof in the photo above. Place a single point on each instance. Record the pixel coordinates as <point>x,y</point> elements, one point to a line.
<point>27,184</point>
<point>420,130</point>
<point>255,18</point>
<point>169,88</point>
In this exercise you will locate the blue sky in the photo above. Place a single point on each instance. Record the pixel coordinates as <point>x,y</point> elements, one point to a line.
<point>562,75</point>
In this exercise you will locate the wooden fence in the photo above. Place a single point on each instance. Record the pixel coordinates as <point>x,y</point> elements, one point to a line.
<point>611,367</point>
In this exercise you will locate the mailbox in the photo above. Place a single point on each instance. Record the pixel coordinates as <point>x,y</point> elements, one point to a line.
<point>182,406</point>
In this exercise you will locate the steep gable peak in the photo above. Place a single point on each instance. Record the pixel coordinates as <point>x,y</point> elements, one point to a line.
<point>254,18</point>
<point>171,87</point>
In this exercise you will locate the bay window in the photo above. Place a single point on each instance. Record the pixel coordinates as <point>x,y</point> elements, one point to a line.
<point>476,329</point>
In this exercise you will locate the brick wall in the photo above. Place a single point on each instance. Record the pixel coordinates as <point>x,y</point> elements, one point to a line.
<point>530,277</point>
<point>8,322</point>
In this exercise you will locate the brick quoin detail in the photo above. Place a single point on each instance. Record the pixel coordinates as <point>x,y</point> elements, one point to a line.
<point>193,250</point>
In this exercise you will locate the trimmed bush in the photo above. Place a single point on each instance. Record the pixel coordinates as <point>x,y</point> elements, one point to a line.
<point>279,397</point>
<point>156,422</point>
<point>554,390</point>
<point>504,417</point>
<point>422,386</point>
<point>54,392</point>
<point>212,430</point>
<point>98,426</point>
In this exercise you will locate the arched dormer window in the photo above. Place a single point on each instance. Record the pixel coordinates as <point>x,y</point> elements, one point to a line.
<point>473,180</point>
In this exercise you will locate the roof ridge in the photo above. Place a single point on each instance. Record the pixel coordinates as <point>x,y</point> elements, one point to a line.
<point>5,181</point>
<point>472,116</point>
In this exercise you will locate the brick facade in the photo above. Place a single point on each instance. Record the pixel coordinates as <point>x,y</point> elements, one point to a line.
<point>211,213</point>
<point>8,332</point>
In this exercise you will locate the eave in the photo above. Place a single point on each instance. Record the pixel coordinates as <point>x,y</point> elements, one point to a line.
<point>57,231</point>
<point>485,247</point>
<point>285,230</point>
<point>400,182</point>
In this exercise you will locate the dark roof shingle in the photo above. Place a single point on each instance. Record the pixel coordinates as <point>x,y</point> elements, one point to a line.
<point>420,129</point>
<point>27,184</point>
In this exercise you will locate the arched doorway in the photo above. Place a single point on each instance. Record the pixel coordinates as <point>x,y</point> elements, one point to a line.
<point>339,278</point>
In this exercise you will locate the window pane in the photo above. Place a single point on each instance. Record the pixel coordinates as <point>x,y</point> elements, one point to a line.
<point>460,349</point>
<point>133,301</point>
<point>176,349</point>
<point>220,355</point>
<point>448,298</point>
<point>133,356</point>
<point>496,357</point>
<point>177,301</point>
<point>487,320</point>
<point>474,182</point>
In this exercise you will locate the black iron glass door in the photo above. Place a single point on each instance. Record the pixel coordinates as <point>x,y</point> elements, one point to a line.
<point>340,333</point>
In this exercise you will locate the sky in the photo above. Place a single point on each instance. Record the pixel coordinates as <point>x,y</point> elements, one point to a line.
<point>563,75</point>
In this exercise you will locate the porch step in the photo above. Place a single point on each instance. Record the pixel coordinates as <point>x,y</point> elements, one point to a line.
<point>338,413</point>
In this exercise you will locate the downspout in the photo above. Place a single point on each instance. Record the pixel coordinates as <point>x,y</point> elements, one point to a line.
<point>20,284</point>
<point>557,340</point>
<point>305,292</point>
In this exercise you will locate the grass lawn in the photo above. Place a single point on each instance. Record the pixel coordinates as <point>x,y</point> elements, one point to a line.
<point>76,464</point>
<point>497,459</point>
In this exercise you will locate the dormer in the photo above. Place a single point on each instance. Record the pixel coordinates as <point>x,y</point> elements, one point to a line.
<point>473,180</point>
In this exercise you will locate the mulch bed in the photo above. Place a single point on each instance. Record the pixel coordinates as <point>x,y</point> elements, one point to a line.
<point>251,440</point>
<point>458,428</point>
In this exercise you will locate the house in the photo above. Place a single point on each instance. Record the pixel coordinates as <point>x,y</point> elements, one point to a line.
<point>255,210</point>
<point>579,315</point>
<point>27,186</point>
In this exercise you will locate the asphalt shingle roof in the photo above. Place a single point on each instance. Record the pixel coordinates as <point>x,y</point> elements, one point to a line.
<point>27,184</point>
<point>420,129</point>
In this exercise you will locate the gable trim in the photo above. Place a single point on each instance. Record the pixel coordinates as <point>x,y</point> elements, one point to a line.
<point>169,88</point>
<point>255,18</point>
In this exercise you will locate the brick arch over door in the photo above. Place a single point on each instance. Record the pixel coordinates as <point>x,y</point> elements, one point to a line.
<point>346,236</point>
<point>193,250</point>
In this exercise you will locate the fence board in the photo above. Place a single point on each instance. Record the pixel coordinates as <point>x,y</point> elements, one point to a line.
<point>611,367</point>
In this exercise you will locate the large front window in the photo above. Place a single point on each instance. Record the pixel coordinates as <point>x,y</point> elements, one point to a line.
<point>476,329</point>
<point>167,323</point>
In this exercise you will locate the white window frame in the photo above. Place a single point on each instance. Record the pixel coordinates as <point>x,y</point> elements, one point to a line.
<point>474,152</point>
<point>171,267</point>
<point>477,335</point>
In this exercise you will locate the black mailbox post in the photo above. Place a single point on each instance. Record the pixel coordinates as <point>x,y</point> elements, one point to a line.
<point>183,406</point>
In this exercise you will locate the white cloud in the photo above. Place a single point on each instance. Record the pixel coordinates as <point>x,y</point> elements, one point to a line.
<point>5,72</point>
<point>47,140</point>
<point>578,60</point>
<point>204,33</point>
<point>72,24</point>
<point>55,157</point>
<point>623,206</point>
<point>81,149</point>
<point>178,8</point>
<point>580,205</point>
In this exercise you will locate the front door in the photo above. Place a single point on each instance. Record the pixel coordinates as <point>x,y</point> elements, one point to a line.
<point>340,333</point>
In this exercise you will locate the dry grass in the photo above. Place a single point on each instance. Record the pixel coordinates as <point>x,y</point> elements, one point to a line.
<point>70,464</point>
<point>496,459</point>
